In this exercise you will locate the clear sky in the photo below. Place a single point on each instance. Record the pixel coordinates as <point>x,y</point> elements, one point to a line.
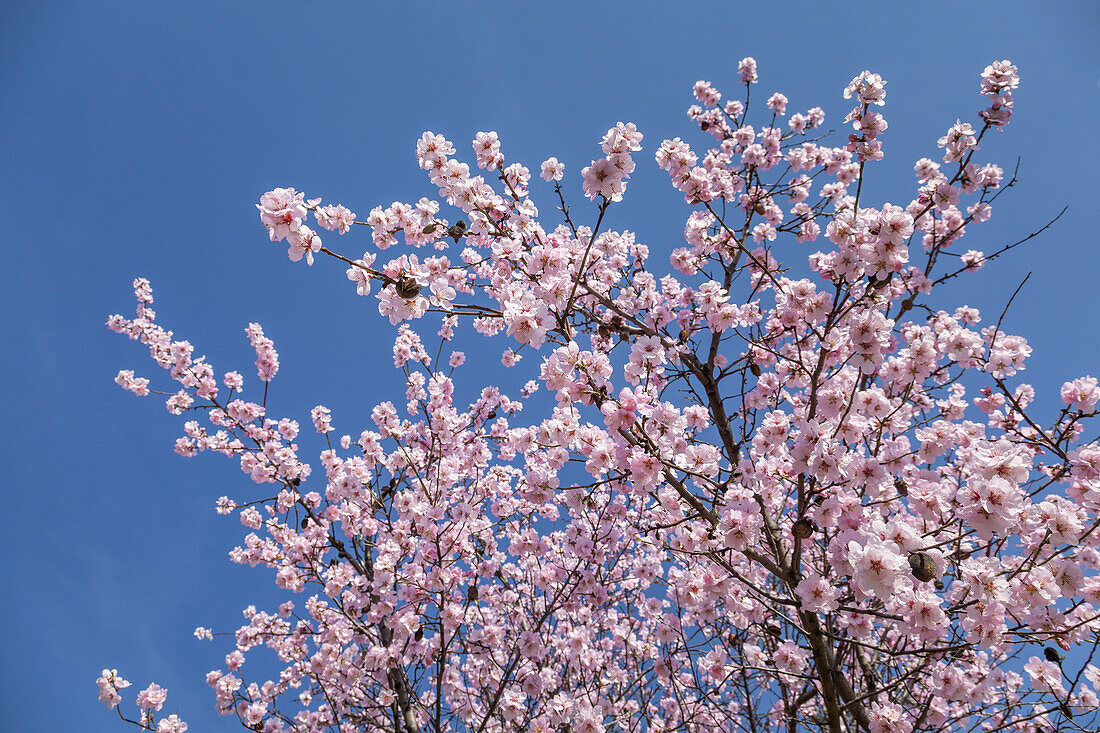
<point>136,137</point>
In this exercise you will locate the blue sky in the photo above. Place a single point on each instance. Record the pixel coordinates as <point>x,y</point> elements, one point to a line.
<point>137,137</point>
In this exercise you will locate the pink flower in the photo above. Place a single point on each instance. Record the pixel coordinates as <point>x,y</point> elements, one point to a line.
<point>1082,394</point>
<point>552,170</point>
<point>867,88</point>
<point>487,150</point>
<point>778,103</point>
<point>322,419</point>
<point>303,241</point>
<point>1045,676</point>
<point>877,565</point>
<point>817,594</point>
<point>281,211</point>
<point>152,696</point>
<point>602,178</point>
<point>888,717</point>
<point>336,218</point>
<point>747,69</point>
<point>109,684</point>
<point>171,724</point>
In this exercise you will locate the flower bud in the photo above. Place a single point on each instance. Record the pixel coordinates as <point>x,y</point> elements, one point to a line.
<point>923,566</point>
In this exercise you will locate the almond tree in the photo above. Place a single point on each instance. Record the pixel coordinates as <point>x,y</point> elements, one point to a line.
<point>730,499</point>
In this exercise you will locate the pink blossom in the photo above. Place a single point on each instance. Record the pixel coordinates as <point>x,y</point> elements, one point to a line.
<point>552,170</point>
<point>152,697</point>
<point>338,218</point>
<point>282,211</point>
<point>109,684</point>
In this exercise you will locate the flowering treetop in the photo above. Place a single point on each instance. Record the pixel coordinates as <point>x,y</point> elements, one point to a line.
<point>750,500</point>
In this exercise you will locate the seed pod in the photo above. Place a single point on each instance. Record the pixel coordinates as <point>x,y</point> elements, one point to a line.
<point>924,568</point>
<point>471,593</point>
<point>407,287</point>
<point>803,528</point>
<point>1052,655</point>
<point>901,487</point>
<point>430,228</point>
<point>457,231</point>
<point>755,369</point>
